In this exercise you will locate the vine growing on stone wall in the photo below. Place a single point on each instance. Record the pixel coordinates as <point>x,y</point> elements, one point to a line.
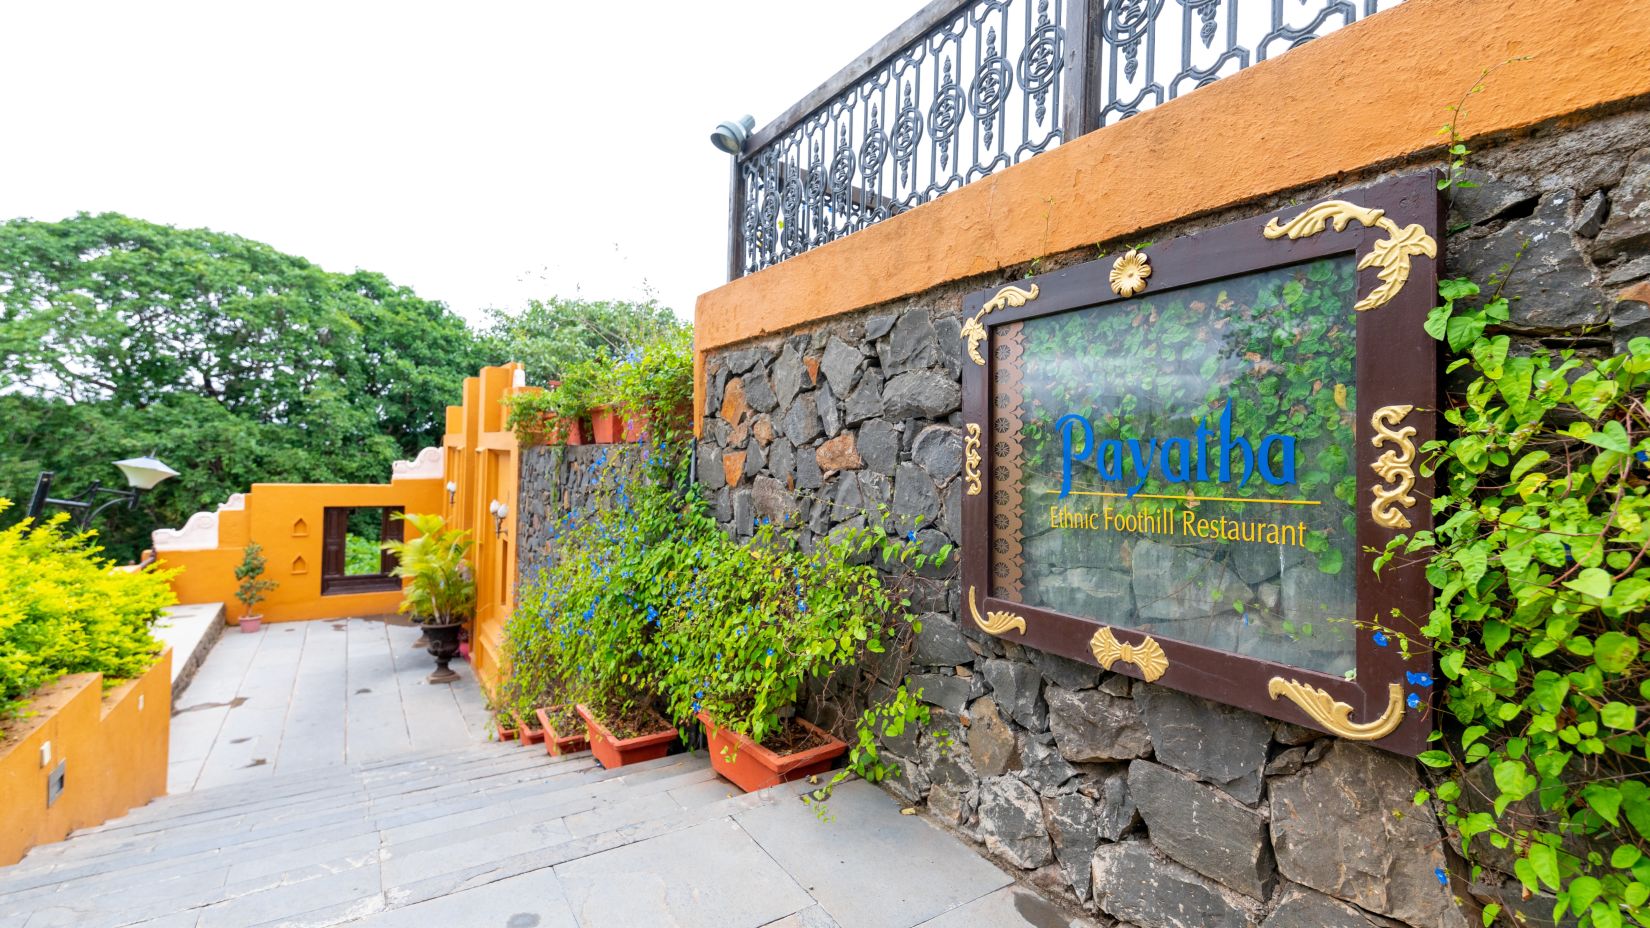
<point>1539,558</point>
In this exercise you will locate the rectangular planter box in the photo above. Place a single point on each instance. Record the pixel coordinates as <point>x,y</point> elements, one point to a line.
<point>526,732</point>
<point>610,752</point>
<point>504,734</point>
<point>558,743</point>
<point>754,767</point>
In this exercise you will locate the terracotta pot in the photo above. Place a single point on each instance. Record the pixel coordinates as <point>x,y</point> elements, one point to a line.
<point>251,623</point>
<point>504,734</point>
<point>527,729</point>
<point>634,426</point>
<point>557,743</point>
<point>575,431</point>
<point>606,424</point>
<point>752,767</point>
<point>611,752</point>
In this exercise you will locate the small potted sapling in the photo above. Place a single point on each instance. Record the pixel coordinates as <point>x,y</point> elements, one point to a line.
<point>252,586</point>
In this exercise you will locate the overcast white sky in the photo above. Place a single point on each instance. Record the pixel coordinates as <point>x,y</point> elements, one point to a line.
<point>481,153</point>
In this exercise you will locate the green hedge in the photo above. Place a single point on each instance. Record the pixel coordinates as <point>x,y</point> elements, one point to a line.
<point>64,609</point>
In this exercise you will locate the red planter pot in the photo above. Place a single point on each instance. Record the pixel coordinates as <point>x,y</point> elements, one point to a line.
<point>754,767</point>
<point>607,425</point>
<point>610,752</point>
<point>526,731</point>
<point>504,734</point>
<point>558,743</point>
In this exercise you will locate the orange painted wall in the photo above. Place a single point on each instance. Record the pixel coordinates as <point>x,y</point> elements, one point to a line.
<point>1364,96</point>
<point>481,458</point>
<point>115,748</point>
<point>478,457</point>
<point>285,519</point>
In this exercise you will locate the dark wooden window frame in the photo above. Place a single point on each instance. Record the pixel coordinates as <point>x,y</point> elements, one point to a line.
<point>1396,366</point>
<point>335,525</point>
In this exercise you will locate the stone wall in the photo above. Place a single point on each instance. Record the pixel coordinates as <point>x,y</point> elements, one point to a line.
<point>556,480</point>
<point>1132,801</point>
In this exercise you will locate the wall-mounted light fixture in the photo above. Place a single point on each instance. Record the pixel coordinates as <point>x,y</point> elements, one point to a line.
<point>452,492</point>
<point>732,135</point>
<point>500,513</point>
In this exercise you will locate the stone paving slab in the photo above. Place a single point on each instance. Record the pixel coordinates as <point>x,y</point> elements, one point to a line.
<point>709,876</point>
<point>1009,907</point>
<point>870,866</point>
<point>533,899</point>
<point>190,631</point>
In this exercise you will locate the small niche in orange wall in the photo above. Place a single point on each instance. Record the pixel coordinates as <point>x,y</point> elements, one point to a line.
<point>300,529</point>
<point>299,565</point>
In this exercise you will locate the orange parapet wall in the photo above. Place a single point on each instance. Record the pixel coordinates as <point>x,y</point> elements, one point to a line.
<point>286,519</point>
<point>114,752</point>
<point>478,459</point>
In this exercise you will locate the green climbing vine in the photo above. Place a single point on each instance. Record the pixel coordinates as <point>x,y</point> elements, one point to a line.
<point>1542,521</point>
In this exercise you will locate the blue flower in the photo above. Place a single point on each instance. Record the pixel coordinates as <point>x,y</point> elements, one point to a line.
<point>911,536</point>
<point>770,652</point>
<point>1414,701</point>
<point>1381,639</point>
<point>1418,679</point>
<point>1443,878</point>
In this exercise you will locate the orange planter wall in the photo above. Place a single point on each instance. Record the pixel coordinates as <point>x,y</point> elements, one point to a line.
<point>115,748</point>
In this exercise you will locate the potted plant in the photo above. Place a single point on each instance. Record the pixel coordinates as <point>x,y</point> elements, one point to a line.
<point>531,729</point>
<point>537,417</point>
<point>564,731</point>
<point>252,586</point>
<point>626,732</point>
<point>772,617</point>
<point>440,592</point>
<point>652,387</point>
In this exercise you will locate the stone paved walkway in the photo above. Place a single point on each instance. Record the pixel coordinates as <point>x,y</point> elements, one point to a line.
<point>302,695</point>
<point>326,784</point>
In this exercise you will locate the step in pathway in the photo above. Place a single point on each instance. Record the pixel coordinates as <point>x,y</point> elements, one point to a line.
<point>506,836</point>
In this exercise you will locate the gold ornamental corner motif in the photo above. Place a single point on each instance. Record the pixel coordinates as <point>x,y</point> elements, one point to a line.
<point>1129,273</point>
<point>974,331</point>
<point>1147,655</point>
<point>995,623</point>
<point>1335,716</point>
<point>971,458</point>
<point>1390,254</point>
<point>1394,466</point>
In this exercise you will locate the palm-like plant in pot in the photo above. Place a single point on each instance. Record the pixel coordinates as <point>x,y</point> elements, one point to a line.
<point>440,593</point>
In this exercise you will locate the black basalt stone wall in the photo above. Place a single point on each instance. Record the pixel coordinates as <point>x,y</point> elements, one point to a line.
<point>1139,804</point>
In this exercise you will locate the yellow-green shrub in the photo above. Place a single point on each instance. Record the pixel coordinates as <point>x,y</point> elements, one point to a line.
<point>64,609</point>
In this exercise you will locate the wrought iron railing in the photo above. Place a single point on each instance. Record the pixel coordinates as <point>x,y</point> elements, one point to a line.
<point>961,91</point>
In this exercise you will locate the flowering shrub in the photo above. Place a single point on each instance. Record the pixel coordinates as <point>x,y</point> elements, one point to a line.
<point>64,609</point>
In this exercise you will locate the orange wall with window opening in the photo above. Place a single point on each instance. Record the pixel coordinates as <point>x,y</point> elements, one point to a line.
<point>478,457</point>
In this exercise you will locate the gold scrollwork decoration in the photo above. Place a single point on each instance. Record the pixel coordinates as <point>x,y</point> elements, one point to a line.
<point>1129,273</point>
<point>995,623</point>
<point>1390,254</point>
<point>1334,715</point>
<point>971,458</point>
<point>1396,467</point>
<point>1147,655</point>
<point>974,330</point>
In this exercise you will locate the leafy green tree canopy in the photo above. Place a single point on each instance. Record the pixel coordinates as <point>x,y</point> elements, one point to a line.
<point>231,360</point>
<point>551,336</point>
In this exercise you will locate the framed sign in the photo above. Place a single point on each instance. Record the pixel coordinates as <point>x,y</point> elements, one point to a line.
<point>1182,461</point>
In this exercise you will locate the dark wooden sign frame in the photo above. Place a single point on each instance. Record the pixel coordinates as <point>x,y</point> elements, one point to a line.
<point>1392,228</point>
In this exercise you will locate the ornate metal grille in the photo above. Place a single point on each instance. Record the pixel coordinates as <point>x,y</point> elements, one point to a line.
<point>986,85</point>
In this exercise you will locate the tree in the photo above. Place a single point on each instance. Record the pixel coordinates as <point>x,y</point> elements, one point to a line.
<point>549,336</point>
<point>234,361</point>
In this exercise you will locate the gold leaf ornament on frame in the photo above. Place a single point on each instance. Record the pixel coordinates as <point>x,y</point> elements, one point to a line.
<point>1390,254</point>
<point>1394,466</point>
<point>1147,655</point>
<point>1129,273</point>
<point>995,623</point>
<point>971,458</point>
<point>973,331</point>
<point>1336,716</point>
